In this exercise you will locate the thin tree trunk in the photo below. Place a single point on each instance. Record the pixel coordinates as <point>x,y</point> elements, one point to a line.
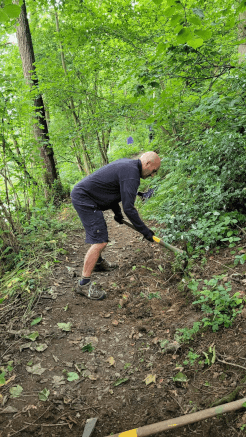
<point>40,128</point>
<point>101,150</point>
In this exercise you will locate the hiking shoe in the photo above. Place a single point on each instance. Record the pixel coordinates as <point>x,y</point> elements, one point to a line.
<point>105,266</point>
<point>91,291</point>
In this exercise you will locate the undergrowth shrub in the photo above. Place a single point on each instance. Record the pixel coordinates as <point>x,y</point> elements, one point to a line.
<point>215,301</point>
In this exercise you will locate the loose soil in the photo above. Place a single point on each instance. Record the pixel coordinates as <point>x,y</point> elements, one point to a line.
<point>147,301</point>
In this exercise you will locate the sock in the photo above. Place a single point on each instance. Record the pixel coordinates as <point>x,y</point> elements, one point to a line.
<point>99,260</point>
<point>84,281</point>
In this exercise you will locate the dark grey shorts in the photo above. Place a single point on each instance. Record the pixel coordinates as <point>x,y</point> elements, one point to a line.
<point>94,224</point>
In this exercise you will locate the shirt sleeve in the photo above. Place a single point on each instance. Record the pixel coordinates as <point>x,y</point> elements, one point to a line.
<point>128,190</point>
<point>116,208</point>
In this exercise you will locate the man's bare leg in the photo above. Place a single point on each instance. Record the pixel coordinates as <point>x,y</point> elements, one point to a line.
<point>91,258</point>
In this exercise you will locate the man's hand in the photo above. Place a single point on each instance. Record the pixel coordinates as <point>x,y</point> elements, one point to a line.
<point>149,237</point>
<point>118,218</point>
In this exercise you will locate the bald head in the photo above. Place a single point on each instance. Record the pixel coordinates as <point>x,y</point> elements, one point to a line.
<point>150,164</point>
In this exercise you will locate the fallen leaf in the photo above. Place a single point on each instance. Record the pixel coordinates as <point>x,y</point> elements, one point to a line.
<point>120,381</point>
<point>72,376</point>
<point>36,369</point>
<point>115,322</point>
<point>65,326</point>
<point>149,379</point>
<point>106,316</point>
<point>15,391</point>
<point>32,336</point>
<point>111,361</point>
<point>41,347</point>
<point>44,395</point>
<point>3,382</point>
<point>36,321</point>
<point>58,380</point>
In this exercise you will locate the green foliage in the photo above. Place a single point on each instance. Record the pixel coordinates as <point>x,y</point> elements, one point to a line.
<point>219,306</point>
<point>191,357</point>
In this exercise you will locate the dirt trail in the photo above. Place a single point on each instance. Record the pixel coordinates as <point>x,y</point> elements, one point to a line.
<point>125,375</point>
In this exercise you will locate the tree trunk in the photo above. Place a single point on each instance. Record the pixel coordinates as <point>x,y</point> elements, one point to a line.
<point>40,128</point>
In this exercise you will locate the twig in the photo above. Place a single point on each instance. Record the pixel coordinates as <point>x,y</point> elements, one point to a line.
<point>90,407</point>
<point>224,265</point>
<point>48,424</point>
<point>231,364</point>
<point>177,403</point>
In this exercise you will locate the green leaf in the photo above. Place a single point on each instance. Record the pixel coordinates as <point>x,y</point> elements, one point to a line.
<point>157,2</point>
<point>204,34</point>
<point>15,391</point>
<point>65,326</point>
<point>2,378</point>
<point>13,11</point>
<point>169,11</point>
<point>44,394</point>
<point>198,12</point>
<point>32,336</point>
<point>120,381</point>
<point>87,348</point>
<point>41,347</point>
<point>183,35</point>
<point>176,19</point>
<point>195,43</point>
<point>3,17</point>
<point>36,321</point>
<point>180,377</point>
<point>195,20</point>
<point>72,376</point>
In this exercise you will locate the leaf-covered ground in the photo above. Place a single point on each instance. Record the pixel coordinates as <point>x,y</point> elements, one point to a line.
<point>118,359</point>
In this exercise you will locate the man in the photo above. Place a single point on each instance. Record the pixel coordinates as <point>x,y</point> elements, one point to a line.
<point>103,190</point>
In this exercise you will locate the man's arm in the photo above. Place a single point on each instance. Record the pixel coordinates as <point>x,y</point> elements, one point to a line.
<point>117,212</point>
<point>116,208</point>
<point>128,189</point>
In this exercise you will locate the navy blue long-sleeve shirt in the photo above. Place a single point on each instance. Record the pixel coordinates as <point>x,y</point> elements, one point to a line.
<point>111,184</point>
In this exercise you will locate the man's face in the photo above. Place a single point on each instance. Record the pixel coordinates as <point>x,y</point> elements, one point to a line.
<point>150,169</point>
